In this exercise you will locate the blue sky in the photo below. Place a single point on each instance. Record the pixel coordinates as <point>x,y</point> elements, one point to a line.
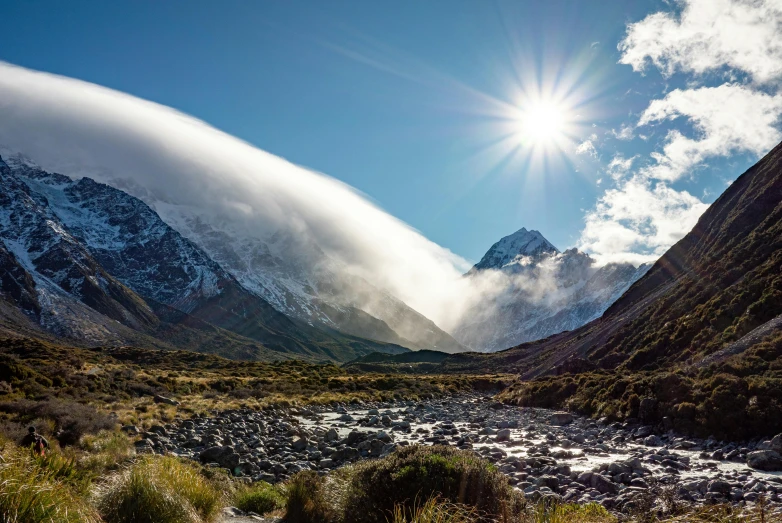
<point>411,102</point>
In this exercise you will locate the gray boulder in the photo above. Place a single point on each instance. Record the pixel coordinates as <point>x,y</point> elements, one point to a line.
<point>503,435</point>
<point>561,418</point>
<point>300,444</point>
<point>719,486</point>
<point>602,484</point>
<point>225,456</point>
<point>774,444</point>
<point>768,460</point>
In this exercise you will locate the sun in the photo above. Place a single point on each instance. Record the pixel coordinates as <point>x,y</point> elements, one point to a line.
<point>542,123</point>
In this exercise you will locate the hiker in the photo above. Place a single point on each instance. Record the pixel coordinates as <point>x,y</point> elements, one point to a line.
<point>35,441</point>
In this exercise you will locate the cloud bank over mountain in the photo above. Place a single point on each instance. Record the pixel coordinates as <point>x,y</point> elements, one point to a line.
<point>81,129</point>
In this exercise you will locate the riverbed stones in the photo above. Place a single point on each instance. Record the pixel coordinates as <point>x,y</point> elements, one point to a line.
<point>774,444</point>
<point>545,453</point>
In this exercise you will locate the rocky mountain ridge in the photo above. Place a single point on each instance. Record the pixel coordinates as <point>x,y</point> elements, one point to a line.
<point>90,262</point>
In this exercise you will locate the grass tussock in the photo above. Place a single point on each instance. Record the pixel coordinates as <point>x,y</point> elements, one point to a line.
<point>547,512</point>
<point>105,451</point>
<point>308,502</point>
<point>34,490</point>
<point>159,490</point>
<point>392,487</point>
<point>260,498</point>
<point>432,511</point>
<point>378,488</point>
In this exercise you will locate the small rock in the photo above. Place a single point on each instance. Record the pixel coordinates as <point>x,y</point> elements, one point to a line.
<point>168,401</point>
<point>561,418</point>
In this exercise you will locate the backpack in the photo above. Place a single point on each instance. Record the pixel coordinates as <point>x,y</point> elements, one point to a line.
<point>39,447</point>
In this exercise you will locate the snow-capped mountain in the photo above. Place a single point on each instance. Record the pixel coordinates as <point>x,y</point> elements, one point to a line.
<point>121,232</point>
<point>511,252</point>
<point>545,292</point>
<point>89,261</point>
<point>293,274</point>
<point>43,245</point>
<point>96,261</point>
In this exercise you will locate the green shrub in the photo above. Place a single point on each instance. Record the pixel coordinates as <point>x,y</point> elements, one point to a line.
<point>36,491</point>
<point>307,501</point>
<point>377,488</point>
<point>159,490</point>
<point>259,498</point>
<point>72,420</point>
<point>546,512</point>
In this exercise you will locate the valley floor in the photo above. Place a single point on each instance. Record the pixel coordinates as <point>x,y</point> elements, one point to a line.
<point>543,453</point>
<point>230,422</point>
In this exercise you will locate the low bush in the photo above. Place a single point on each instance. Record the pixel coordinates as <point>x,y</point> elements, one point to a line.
<point>37,491</point>
<point>260,498</point>
<point>709,403</point>
<point>307,500</point>
<point>159,490</point>
<point>72,420</point>
<point>378,488</point>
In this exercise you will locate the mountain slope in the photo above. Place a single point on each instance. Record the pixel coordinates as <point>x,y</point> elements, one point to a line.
<point>93,254</point>
<point>546,292</point>
<point>712,288</point>
<point>297,278</point>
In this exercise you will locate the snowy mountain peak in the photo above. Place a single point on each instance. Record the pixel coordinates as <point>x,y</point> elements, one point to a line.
<point>16,160</point>
<point>520,244</point>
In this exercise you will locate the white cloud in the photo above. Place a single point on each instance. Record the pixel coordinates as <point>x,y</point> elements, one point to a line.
<point>587,147</point>
<point>638,221</point>
<point>727,119</point>
<point>619,166</point>
<point>707,36</point>
<point>625,132</point>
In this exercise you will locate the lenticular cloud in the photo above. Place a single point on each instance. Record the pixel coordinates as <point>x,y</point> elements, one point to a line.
<point>82,129</point>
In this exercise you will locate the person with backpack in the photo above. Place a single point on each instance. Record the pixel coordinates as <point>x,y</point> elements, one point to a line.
<point>36,442</point>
